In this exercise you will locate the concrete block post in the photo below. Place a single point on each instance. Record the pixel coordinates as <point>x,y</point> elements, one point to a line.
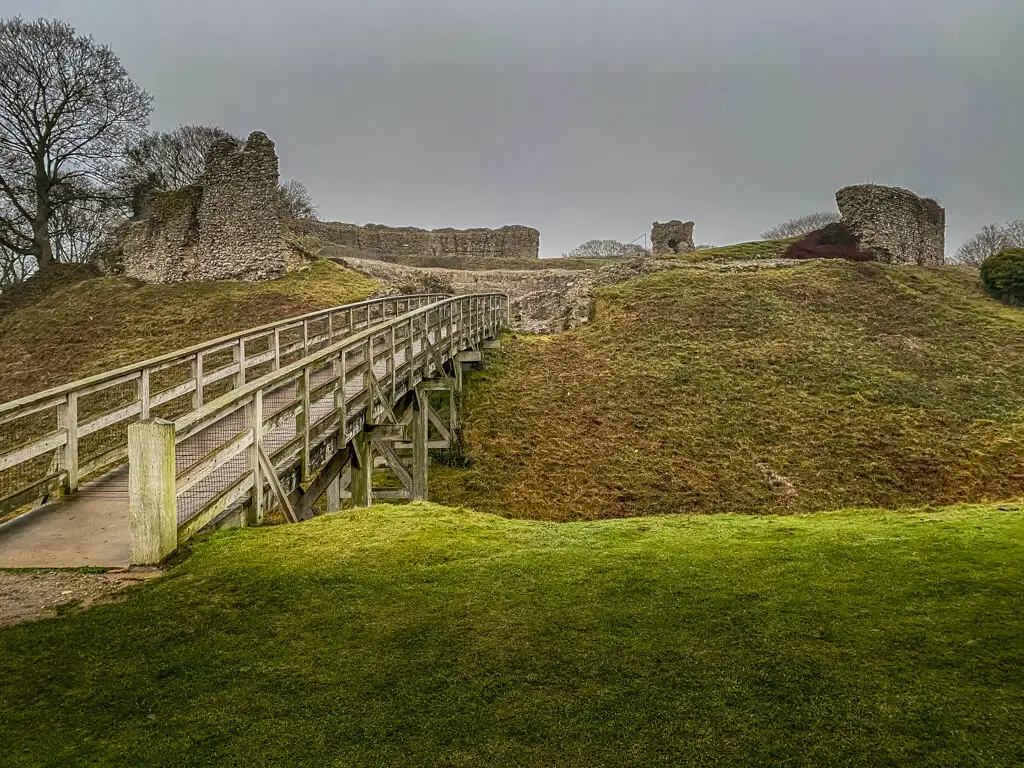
<point>152,509</point>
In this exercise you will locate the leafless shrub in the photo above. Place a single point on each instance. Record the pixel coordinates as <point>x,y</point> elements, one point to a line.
<point>606,249</point>
<point>992,239</point>
<point>801,225</point>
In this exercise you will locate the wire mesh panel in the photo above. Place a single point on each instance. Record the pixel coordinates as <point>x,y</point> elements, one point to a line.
<point>190,452</point>
<point>17,434</point>
<point>103,420</point>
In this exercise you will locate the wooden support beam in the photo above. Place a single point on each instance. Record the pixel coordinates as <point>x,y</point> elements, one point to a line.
<point>438,385</point>
<point>395,463</point>
<point>275,485</point>
<point>362,471</point>
<point>336,492</point>
<point>385,433</point>
<point>420,454</point>
<point>333,469</point>
<point>438,363</point>
<point>254,416</point>
<point>439,425</point>
<point>375,390</point>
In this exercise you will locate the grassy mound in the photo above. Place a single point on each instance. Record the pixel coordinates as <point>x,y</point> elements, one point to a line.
<point>816,387</point>
<point>423,636</point>
<point>757,250</point>
<point>86,326</point>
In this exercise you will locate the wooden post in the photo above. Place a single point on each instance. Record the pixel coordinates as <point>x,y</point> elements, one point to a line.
<point>303,422</point>
<point>144,395</point>
<point>152,508</point>
<point>392,364</point>
<point>340,405</point>
<point>70,418</point>
<point>254,415</point>
<point>420,455</point>
<point>240,355</point>
<point>334,494</point>
<point>277,349</point>
<point>197,373</point>
<point>362,471</point>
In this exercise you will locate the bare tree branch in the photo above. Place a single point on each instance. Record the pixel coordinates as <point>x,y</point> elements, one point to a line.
<point>605,249</point>
<point>295,200</point>
<point>68,112</point>
<point>992,239</point>
<point>801,225</point>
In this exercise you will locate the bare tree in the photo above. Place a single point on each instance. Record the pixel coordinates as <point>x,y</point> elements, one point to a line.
<point>605,249</point>
<point>68,112</point>
<point>992,239</point>
<point>802,225</point>
<point>1015,234</point>
<point>168,160</point>
<point>296,201</point>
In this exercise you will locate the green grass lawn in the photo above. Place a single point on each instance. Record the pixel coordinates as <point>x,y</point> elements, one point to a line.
<point>424,636</point>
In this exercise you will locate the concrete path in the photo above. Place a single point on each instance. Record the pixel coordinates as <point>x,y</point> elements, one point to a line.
<point>89,528</point>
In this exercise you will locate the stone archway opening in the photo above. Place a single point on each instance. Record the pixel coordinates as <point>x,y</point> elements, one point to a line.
<point>674,245</point>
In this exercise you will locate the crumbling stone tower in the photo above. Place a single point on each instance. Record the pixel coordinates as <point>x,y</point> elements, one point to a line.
<point>672,237</point>
<point>240,233</point>
<point>894,225</point>
<point>226,226</point>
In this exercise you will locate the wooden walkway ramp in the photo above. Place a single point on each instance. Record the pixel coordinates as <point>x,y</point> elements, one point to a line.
<point>253,420</point>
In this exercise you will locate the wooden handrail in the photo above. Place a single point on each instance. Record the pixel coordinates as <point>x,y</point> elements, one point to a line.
<point>223,342</point>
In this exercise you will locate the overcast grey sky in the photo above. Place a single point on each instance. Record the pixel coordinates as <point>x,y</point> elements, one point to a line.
<point>592,118</point>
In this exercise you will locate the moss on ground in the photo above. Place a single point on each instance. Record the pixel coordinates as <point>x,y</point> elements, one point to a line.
<point>825,385</point>
<point>424,636</point>
<point>87,326</point>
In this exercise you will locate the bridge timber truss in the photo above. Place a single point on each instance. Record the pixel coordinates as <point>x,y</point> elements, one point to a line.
<point>275,418</point>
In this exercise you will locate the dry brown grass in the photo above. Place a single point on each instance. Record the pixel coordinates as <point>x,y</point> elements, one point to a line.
<point>816,387</point>
<point>82,327</point>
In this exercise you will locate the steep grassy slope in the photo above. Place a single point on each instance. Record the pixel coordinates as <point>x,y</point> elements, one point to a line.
<point>418,636</point>
<point>88,326</point>
<point>824,385</point>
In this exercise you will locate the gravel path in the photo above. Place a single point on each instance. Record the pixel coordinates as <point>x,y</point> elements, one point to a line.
<point>31,595</point>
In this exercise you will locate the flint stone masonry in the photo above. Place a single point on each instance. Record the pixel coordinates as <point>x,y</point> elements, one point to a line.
<point>225,227</point>
<point>894,225</point>
<point>541,300</point>
<point>512,242</point>
<point>672,237</point>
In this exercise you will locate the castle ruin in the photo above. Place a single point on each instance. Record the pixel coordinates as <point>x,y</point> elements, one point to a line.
<point>894,225</point>
<point>509,242</point>
<point>226,226</point>
<point>672,237</point>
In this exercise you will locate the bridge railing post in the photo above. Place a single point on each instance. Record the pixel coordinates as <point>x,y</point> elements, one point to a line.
<point>420,454</point>
<point>152,507</point>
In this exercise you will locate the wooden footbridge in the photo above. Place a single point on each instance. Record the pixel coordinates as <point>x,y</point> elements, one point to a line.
<point>345,403</point>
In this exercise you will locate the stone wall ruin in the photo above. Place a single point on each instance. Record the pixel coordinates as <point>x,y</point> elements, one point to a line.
<point>509,242</point>
<point>672,237</point>
<point>894,225</point>
<point>227,226</point>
